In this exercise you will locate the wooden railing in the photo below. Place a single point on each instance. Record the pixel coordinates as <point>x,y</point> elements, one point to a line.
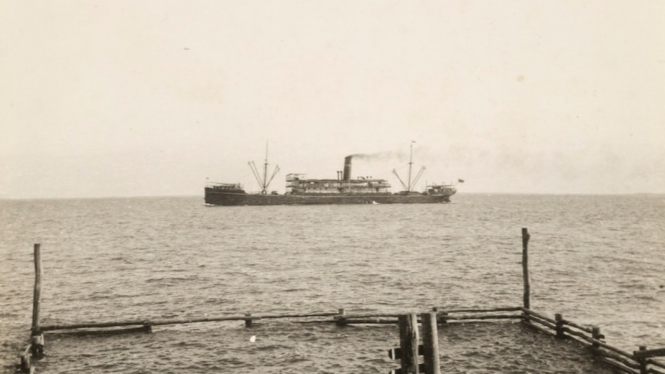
<point>640,362</point>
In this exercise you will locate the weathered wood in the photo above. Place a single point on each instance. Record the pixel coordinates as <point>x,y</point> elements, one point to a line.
<point>440,316</point>
<point>532,317</point>
<point>559,326</point>
<point>581,335</point>
<point>24,360</point>
<point>372,315</point>
<point>656,363</point>
<point>430,343</point>
<point>617,365</point>
<point>37,294</point>
<point>591,340</point>
<point>340,318</point>
<point>656,371</point>
<point>529,324</point>
<point>248,321</point>
<point>549,325</point>
<point>91,325</point>
<point>649,353</point>
<point>37,345</point>
<point>480,310</point>
<point>496,316</point>
<point>595,335</point>
<point>525,267</point>
<point>421,367</point>
<point>302,315</point>
<point>396,353</point>
<point>608,354</point>
<point>614,349</point>
<point>371,321</point>
<point>541,316</point>
<point>180,321</point>
<point>578,326</point>
<point>642,361</point>
<point>344,318</point>
<point>105,331</point>
<point>408,336</point>
<point>441,319</point>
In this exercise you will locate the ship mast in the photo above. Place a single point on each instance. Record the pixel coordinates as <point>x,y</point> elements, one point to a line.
<point>410,164</point>
<point>411,183</point>
<point>263,182</point>
<point>265,171</point>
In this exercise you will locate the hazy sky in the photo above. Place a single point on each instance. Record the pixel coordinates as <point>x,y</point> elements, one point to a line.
<point>135,98</point>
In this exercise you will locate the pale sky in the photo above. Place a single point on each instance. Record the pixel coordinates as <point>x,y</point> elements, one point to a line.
<point>150,98</point>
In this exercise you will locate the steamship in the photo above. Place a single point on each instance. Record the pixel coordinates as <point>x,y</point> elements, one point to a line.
<point>342,190</point>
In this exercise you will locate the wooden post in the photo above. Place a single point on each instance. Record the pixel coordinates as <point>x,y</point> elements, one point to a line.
<point>643,361</point>
<point>24,365</point>
<point>248,321</point>
<point>595,334</point>
<point>37,291</point>
<point>430,343</point>
<point>525,267</point>
<point>37,346</point>
<point>408,342</point>
<point>340,318</point>
<point>559,325</point>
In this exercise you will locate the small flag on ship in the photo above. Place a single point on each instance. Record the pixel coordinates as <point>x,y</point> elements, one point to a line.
<point>460,180</point>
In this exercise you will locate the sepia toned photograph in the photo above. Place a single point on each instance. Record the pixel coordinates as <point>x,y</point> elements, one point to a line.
<point>332,187</point>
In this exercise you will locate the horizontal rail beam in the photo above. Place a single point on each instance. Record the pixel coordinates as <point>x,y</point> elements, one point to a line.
<point>502,316</point>
<point>625,361</point>
<point>182,321</point>
<point>577,326</point>
<point>541,316</point>
<point>618,365</point>
<point>578,334</point>
<point>545,323</point>
<point>490,310</point>
<point>649,353</point>
<point>656,363</point>
<point>92,325</point>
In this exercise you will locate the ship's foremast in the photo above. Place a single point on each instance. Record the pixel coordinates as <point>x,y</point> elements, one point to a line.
<point>263,182</point>
<point>408,186</point>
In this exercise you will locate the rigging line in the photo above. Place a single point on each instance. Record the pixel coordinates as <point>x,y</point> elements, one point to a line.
<point>252,166</point>
<point>273,175</point>
<point>400,179</point>
<point>420,173</point>
<point>265,169</point>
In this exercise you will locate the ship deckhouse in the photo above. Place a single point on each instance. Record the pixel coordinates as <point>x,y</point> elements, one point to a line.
<point>297,184</point>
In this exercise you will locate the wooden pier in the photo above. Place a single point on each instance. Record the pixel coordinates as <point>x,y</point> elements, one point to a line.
<point>640,361</point>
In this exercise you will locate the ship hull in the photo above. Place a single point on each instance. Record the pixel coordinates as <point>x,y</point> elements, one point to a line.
<point>214,197</point>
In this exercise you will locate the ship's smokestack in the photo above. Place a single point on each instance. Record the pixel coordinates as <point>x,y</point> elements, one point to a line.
<point>347,168</point>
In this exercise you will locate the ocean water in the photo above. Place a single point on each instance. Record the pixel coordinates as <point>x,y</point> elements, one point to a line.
<point>598,260</point>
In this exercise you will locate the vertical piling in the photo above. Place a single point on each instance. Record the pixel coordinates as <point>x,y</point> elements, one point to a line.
<point>37,291</point>
<point>643,361</point>
<point>430,343</point>
<point>340,319</point>
<point>25,365</point>
<point>248,321</point>
<point>525,267</point>
<point>595,334</point>
<point>408,342</point>
<point>559,325</point>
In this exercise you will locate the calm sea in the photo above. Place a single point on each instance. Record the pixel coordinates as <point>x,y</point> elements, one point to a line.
<point>597,259</point>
